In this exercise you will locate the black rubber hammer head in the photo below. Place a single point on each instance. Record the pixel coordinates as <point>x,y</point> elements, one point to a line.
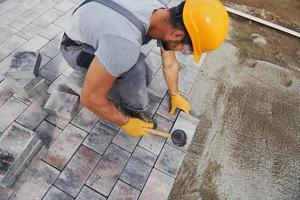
<point>179,137</point>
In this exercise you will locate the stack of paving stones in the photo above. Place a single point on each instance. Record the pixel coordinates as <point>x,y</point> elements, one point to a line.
<point>23,74</point>
<point>86,157</point>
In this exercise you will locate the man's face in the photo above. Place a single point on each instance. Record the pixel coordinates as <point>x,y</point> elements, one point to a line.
<point>177,46</point>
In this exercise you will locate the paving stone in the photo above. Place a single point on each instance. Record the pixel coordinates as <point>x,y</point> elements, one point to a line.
<point>138,168</point>
<point>65,5</point>
<point>60,122</point>
<point>77,171</point>
<point>51,49</point>
<point>108,170</point>
<point>127,142</point>
<point>158,186</point>
<point>13,43</point>
<point>85,119</point>
<point>169,160</point>
<point>29,88</point>
<point>25,6</point>
<point>156,49</point>
<point>158,85</point>
<point>34,114</point>
<point>57,194</point>
<point>22,98</point>
<point>24,64</point>
<point>109,124</point>
<point>34,44</point>
<point>155,143</point>
<point>164,109</point>
<point>44,6</point>
<point>45,60</point>
<point>147,48</point>
<point>50,31</point>
<point>62,104</point>
<point>186,78</point>
<point>100,137</point>
<point>54,68</point>
<point>12,106</point>
<point>69,70</point>
<point>19,145</point>
<point>123,191</point>
<point>75,81</point>
<point>24,19</point>
<point>4,52</point>
<point>65,146</point>
<point>29,31</point>
<point>87,193</point>
<point>7,5</point>
<point>6,32</point>
<point>5,92</point>
<point>59,85</point>
<point>62,20</point>
<point>154,102</point>
<point>50,16</point>
<point>153,61</point>
<point>8,17</point>
<point>36,182</point>
<point>188,124</point>
<point>5,193</point>
<point>47,133</point>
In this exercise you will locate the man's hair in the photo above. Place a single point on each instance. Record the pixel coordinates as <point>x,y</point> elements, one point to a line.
<point>176,19</point>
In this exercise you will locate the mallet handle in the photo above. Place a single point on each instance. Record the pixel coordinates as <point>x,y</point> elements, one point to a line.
<point>158,133</point>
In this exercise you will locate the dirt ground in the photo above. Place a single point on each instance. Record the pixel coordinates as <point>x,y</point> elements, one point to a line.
<point>282,12</point>
<point>247,143</point>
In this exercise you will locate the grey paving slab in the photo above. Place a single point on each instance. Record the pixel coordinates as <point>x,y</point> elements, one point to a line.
<point>22,98</point>
<point>6,32</point>
<point>45,60</point>
<point>65,5</point>
<point>188,124</point>
<point>29,31</point>
<point>25,6</point>
<point>75,174</point>
<point>46,19</point>
<point>186,78</point>
<point>56,194</point>
<point>108,170</point>
<point>24,64</point>
<point>85,119</point>
<point>188,61</point>
<point>34,44</point>
<point>4,52</point>
<point>24,19</point>
<point>34,114</point>
<point>155,143</point>
<point>138,168</point>
<point>36,181</point>
<point>47,132</point>
<point>58,84</point>
<point>62,104</point>
<point>123,191</point>
<point>62,20</point>
<point>9,111</point>
<point>127,142</point>
<point>60,122</point>
<point>51,49</point>
<point>50,31</point>
<point>65,146</point>
<point>109,124</point>
<point>13,43</point>
<point>154,102</point>
<point>5,92</point>
<point>100,138</point>
<point>8,17</point>
<point>158,85</point>
<point>147,48</point>
<point>44,6</point>
<point>164,109</point>
<point>153,61</point>
<point>19,145</point>
<point>158,186</point>
<point>169,160</point>
<point>5,193</point>
<point>75,81</point>
<point>7,5</point>
<point>87,193</point>
<point>54,68</point>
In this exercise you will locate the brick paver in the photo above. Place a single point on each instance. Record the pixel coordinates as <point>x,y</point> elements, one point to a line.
<point>86,157</point>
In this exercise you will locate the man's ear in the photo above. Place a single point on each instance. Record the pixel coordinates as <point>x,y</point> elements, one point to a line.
<point>177,35</point>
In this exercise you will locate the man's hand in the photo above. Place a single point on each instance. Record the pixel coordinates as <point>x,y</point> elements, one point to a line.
<point>135,127</point>
<point>178,101</point>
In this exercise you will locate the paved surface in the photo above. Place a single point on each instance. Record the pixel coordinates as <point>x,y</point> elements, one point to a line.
<point>85,157</point>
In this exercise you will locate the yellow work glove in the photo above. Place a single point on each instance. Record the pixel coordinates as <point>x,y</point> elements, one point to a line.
<point>135,127</point>
<point>178,101</point>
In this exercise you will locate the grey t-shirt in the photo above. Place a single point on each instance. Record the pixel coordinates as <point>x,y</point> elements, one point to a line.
<point>117,41</point>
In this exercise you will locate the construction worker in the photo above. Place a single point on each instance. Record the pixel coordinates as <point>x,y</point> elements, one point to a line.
<point>104,38</point>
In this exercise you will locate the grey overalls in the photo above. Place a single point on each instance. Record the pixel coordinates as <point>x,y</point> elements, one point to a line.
<point>131,85</point>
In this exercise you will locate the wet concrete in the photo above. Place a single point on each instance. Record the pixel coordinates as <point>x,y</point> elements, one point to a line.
<point>247,144</point>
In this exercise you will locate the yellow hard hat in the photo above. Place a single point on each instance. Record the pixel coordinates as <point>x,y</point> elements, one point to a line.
<point>207,24</point>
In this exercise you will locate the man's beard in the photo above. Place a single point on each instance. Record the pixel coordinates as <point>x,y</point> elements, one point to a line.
<point>166,45</point>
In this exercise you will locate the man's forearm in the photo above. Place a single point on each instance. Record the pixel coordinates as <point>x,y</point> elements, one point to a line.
<point>106,110</point>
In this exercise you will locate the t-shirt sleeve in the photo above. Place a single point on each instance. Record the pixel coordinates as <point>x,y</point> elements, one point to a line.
<point>117,54</point>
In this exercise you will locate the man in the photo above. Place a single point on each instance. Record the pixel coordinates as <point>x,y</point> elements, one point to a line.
<point>107,45</point>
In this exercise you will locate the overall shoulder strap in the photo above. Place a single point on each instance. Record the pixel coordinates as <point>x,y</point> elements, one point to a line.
<point>121,10</point>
